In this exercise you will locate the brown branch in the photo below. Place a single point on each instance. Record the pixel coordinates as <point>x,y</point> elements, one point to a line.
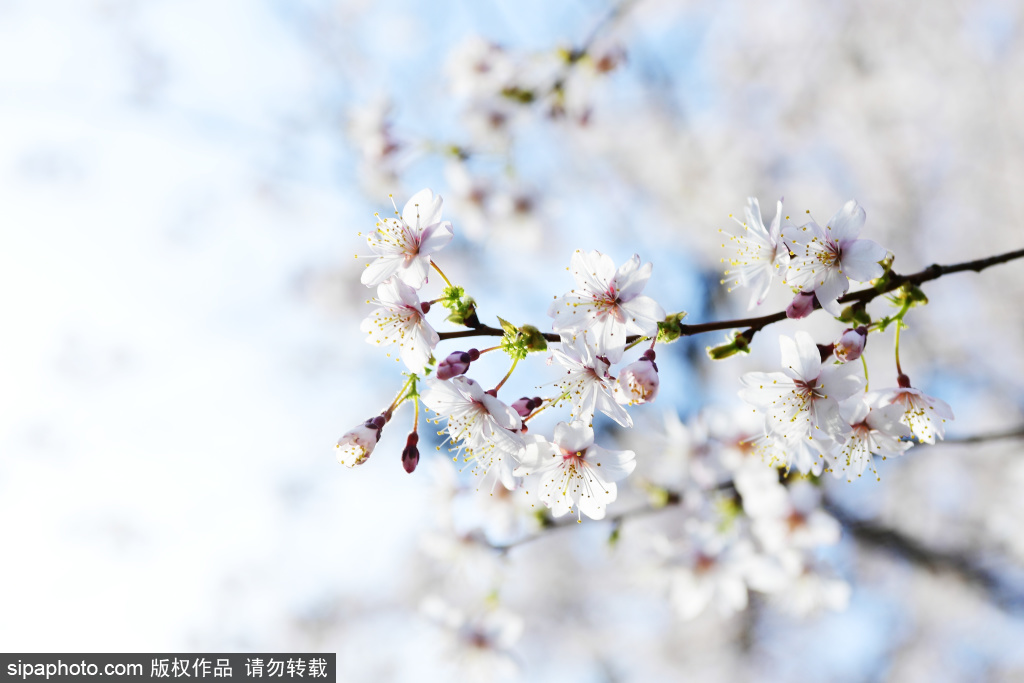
<point>1015,433</point>
<point>753,325</point>
<point>958,563</point>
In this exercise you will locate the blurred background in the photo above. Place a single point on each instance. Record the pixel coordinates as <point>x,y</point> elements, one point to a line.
<point>182,185</point>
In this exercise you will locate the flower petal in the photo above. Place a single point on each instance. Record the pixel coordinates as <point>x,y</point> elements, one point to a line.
<point>800,354</point>
<point>422,209</point>
<point>860,259</point>
<point>847,222</point>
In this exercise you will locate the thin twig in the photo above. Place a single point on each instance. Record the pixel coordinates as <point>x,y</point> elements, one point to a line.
<point>756,324</point>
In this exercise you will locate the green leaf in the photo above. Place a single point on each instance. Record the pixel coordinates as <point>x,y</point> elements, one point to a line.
<point>507,326</point>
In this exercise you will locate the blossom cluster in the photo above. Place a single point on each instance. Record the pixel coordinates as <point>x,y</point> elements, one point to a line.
<point>595,322</point>
<point>735,525</point>
<point>816,413</point>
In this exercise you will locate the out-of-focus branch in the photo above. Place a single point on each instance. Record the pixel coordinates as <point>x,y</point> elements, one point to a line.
<point>1015,433</point>
<point>956,562</point>
<point>866,532</point>
<point>753,325</point>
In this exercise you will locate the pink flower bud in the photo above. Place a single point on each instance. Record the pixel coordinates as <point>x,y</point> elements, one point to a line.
<point>526,405</point>
<point>801,306</point>
<point>637,383</point>
<point>455,364</point>
<point>411,454</point>
<point>850,344</point>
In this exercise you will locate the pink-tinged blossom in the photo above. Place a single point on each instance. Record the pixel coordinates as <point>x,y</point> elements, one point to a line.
<point>638,382</point>
<point>575,472</point>
<point>404,245</point>
<point>399,320</point>
<point>761,255</point>
<point>478,424</point>
<point>873,431</point>
<point>607,303</point>
<point>587,383</point>
<point>802,401</point>
<point>357,444</point>
<point>827,259</point>
<point>850,344</point>
<point>925,415</point>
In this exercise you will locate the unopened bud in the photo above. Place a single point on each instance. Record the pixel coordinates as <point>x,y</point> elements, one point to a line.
<point>457,363</point>
<point>523,406</point>
<point>526,405</point>
<point>411,454</point>
<point>533,339</point>
<point>638,383</point>
<point>671,328</point>
<point>801,306</point>
<point>739,344</point>
<point>850,344</point>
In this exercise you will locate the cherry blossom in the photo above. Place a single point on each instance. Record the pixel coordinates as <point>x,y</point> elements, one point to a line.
<point>827,259</point>
<point>587,383</point>
<point>761,255</point>
<point>874,431</point>
<point>607,303</point>
<point>805,395</point>
<point>479,423</point>
<point>850,344</point>
<point>357,444</point>
<point>576,472</point>
<point>399,320</point>
<point>802,401</point>
<point>638,382</point>
<point>925,415</point>
<point>404,245</point>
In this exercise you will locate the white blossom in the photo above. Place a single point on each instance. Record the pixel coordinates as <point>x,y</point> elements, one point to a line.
<point>607,303</point>
<point>827,259</point>
<point>587,383</point>
<point>481,425</point>
<point>357,444</point>
<point>873,431</point>
<point>399,320</point>
<point>925,415</point>
<point>802,401</point>
<point>761,255</point>
<point>576,472</point>
<point>404,245</point>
